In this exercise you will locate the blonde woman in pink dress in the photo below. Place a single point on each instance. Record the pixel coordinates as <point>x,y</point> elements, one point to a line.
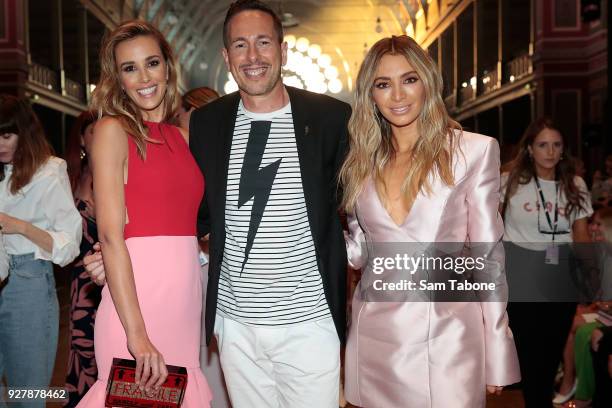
<point>412,176</point>
<point>147,190</point>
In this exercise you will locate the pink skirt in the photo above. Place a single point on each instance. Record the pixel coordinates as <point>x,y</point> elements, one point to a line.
<point>169,288</point>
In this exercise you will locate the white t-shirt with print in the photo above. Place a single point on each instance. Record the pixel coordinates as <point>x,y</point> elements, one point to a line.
<point>521,218</point>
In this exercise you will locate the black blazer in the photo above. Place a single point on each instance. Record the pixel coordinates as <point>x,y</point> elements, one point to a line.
<point>320,124</point>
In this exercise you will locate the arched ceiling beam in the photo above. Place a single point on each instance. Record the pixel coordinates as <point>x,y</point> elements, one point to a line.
<point>188,22</point>
<point>154,9</point>
<point>199,18</point>
<point>203,37</point>
<point>407,12</point>
<point>138,7</point>
<point>214,19</point>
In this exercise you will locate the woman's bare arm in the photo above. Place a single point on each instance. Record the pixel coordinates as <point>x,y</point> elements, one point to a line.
<point>109,154</point>
<point>580,231</point>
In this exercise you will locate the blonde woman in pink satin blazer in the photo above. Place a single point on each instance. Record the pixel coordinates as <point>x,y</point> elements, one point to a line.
<point>413,176</point>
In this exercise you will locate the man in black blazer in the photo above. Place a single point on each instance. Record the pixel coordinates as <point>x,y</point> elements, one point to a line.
<point>277,275</point>
<point>270,155</point>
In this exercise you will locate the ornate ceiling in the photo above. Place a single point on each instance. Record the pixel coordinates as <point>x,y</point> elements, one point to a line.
<point>344,29</point>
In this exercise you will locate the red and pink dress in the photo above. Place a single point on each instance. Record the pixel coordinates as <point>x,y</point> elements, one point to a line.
<point>162,196</point>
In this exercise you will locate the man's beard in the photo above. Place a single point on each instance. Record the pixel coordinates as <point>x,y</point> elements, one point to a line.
<point>258,89</point>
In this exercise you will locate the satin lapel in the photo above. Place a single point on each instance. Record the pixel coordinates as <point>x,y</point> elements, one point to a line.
<point>226,134</point>
<point>307,155</point>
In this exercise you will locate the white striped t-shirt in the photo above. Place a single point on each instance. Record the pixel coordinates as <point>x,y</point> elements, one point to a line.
<point>280,283</point>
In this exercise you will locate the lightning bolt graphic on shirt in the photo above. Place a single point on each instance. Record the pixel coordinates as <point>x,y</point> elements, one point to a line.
<point>256,183</point>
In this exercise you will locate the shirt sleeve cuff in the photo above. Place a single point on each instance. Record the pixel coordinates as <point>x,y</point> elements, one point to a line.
<point>64,250</point>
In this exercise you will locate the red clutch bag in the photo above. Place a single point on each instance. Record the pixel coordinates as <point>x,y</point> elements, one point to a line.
<point>122,391</point>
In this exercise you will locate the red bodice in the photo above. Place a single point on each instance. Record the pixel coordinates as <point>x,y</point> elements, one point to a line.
<point>163,192</point>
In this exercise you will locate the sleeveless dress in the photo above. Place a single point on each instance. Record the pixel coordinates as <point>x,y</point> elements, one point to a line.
<point>162,196</point>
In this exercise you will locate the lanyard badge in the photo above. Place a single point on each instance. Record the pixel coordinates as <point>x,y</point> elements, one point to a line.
<point>551,256</point>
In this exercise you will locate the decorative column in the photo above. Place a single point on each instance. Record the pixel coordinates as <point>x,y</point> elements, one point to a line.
<point>13,50</point>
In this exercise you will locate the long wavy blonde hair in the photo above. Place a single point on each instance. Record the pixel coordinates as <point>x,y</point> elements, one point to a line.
<point>370,142</point>
<point>108,99</point>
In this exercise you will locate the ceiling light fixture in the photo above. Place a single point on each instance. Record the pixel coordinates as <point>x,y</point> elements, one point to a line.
<point>306,68</point>
<point>378,27</point>
<point>288,20</point>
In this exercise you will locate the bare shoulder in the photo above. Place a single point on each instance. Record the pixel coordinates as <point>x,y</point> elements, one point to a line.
<point>109,134</point>
<point>110,126</point>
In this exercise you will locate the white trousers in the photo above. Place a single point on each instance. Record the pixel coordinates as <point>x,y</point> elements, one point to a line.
<point>280,367</point>
<point>209,358</point>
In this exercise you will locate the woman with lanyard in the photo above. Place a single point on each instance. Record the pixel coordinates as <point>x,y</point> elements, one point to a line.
<point>545,208</point>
